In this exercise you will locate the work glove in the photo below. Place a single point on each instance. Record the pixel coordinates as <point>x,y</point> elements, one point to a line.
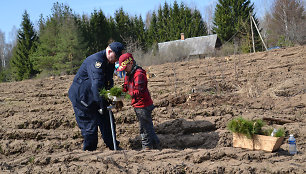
<point>100,111</point>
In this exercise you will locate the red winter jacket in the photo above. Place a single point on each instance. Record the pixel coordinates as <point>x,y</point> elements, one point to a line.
<point>136,85</point>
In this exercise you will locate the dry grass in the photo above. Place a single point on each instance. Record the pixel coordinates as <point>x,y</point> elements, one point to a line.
<point>174,54</point>
<point>179,53</point>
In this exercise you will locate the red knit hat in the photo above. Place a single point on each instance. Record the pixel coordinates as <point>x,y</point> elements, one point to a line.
<point>124,59</point>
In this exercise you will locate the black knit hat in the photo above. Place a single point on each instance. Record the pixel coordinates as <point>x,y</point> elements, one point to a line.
<point>117,47</point>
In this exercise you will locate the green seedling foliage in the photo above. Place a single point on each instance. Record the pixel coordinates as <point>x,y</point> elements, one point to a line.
<point>128,96</point>
<point>246,127</point>
<point>280,133</point>
<point>268,131</point>
<point>241,125</point>
<point>257,126</point>
<point>116,91</point>
<point>103,93</point>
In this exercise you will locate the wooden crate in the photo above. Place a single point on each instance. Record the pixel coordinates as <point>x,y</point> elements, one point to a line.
<point>240,140</point>
<point>258,142</point>
<point>267,143</point>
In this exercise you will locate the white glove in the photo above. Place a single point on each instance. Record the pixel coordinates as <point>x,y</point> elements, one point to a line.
<point>100,111</point>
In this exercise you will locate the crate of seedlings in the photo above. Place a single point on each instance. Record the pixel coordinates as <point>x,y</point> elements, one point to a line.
<point>249,134</point>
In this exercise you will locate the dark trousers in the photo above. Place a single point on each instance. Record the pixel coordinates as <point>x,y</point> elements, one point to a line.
<point>88,122</point>
<point>148,137</point>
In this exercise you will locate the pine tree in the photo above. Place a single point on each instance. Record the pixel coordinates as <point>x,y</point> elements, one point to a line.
<point>152,37</point>
<point>166,21</point>
<point>161,32</point>
<point>62,47</point>
<point>21,63</point>
<point>186,21</point>
<point>131,30</point>
<point>139,32</point>
<point>182,17</point>
<point>171,21</point>
<point>123,25</point>
<point>99,32</point>
<point>113,31</point>
<point>198,26</point>
<point>175,28</point>
<point>223,20</point>
<point>82,23</point>
<point>232,18</point>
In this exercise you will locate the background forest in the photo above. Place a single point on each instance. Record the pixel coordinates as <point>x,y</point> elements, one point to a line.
<point>64,39</point>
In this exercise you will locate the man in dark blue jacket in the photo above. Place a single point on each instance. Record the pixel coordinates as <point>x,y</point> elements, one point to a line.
<point>90,108</point>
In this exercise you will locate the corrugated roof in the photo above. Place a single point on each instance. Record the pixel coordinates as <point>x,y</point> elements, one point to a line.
<point>196,45</point>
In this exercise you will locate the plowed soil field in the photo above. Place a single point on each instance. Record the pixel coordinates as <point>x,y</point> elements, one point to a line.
<point>194,101</point>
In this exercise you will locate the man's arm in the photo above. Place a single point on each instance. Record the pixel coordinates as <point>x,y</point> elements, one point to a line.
<point>95,74</point>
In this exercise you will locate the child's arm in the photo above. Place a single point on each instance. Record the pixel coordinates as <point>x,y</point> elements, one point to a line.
<point>140,85</point>
<point>125,85</point>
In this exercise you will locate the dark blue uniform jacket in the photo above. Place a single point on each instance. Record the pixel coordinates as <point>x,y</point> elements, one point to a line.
<point>94,74</point>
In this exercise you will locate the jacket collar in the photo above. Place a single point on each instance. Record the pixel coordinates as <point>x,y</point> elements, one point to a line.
<point>134,68</point>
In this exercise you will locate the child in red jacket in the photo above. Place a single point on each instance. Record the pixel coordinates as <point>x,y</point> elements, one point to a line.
<point>135,83</point>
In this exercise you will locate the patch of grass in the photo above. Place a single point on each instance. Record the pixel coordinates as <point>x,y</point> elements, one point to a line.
<point>31,159</point>
<point>226,49</point>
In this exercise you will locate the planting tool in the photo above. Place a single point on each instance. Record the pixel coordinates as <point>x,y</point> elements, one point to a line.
<point>109,108</point>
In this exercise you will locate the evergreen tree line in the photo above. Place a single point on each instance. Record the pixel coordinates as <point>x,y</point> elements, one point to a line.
<point>64,39</point>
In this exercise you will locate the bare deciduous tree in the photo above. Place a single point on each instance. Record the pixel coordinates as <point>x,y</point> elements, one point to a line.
<point>208,16</point>
<point>6,49</point>
<point>2,49</point>
<point>13,36</point>
<point>287,19</point>
<point>148,19</point>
